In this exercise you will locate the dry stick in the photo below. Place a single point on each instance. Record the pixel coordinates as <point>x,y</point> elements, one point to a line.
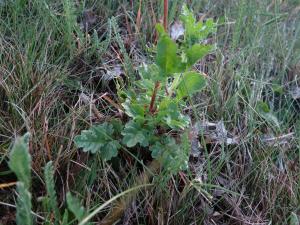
<point>118,210</point>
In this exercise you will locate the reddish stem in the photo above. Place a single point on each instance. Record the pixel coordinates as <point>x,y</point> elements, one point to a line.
<point>152,108</point>
<point>166,15</point>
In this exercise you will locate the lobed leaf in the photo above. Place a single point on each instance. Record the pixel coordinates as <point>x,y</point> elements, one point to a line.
<point>195,31</point>
<point>99,138</point>
<point>134,134</point>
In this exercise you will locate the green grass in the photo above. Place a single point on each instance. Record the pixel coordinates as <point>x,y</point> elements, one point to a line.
<point>46,62</point>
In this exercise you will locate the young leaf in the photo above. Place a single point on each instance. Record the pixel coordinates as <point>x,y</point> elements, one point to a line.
<point>50,186</point>
<point>100,139</point>
<point>195,31</point>
<point>20,160</point>
<point>134,133</point>
<point>75,207</point>
<point>196,52</point>
<point>191,82</point>
<point>23,215</point>
<point>166,57</point>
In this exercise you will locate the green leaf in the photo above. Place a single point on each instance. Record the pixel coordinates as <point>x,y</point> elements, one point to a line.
<point>196,52</point>
<point>173,156</point>
<point>169,114</point>
<point>156,150</point>
<point>99,138</point>
<point>75,207</point>
<point>135,134</point>
<point>23,215</point>
<point>262,107</point>
<point>160,29</point>
<point>195,31</point>
<point>65,218</point>
<point>50,186</point>
<point>20,160</point>
<point>166,57</point>
<point>265,112</point>
<point>294,220</point>
<point>133,110</point>
<point>191,82</point>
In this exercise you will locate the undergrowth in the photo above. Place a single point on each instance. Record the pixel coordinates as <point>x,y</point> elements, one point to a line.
<point>203,129</point>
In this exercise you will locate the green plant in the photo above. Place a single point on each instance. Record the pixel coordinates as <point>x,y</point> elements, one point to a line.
<point>154,103</point>
<point>51,193</point>
<point>20,164</point>
<point>100,139</point>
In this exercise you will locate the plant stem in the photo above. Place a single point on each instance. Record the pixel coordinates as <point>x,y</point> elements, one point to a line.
<point>153,97</point>
<point>166,15</point>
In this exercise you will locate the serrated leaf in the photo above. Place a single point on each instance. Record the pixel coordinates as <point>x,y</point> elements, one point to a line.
<point>75,207</point>
<point>99,138</point>
<point>190,83</point>
<point>195,31</point>
<point>50,186</point>
<point>135,134</point>
<point>166,57</point>
<point>23,215</point>
<point>196,52</point>
<point>20,161</point>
